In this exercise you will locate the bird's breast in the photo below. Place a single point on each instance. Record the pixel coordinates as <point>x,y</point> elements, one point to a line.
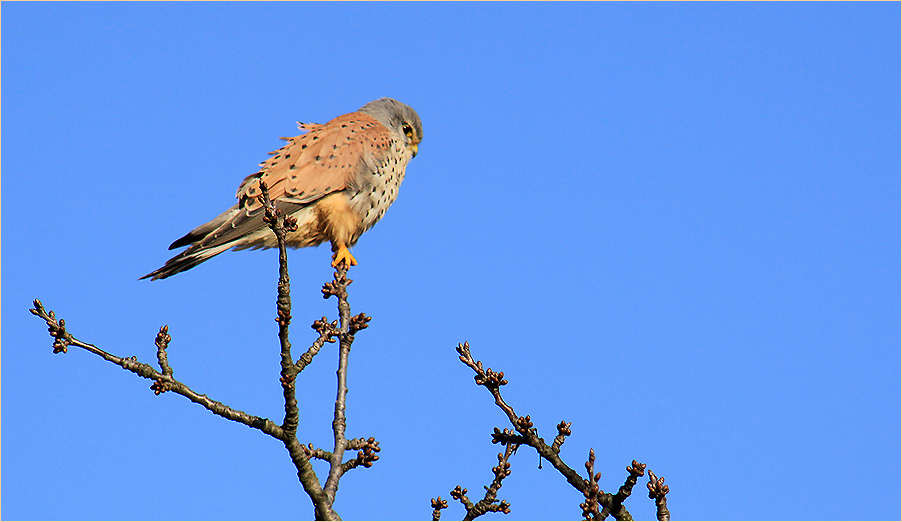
<point>379,188</point>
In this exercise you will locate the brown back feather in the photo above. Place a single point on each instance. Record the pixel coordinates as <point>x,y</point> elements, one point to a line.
<point>312,165</point>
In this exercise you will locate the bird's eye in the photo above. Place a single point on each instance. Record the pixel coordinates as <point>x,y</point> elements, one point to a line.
<point>408,130</point>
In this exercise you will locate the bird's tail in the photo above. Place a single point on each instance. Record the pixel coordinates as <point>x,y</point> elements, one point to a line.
<point>190,258</point>
<point>202,244</point>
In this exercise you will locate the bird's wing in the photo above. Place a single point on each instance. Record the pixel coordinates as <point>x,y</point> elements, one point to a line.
<point>326,159</point>
<point>329,158</point>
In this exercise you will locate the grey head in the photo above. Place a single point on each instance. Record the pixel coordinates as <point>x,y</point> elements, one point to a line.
<point>398,117</point>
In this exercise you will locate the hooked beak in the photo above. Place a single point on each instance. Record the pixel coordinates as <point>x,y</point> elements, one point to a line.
<point>413,149</point>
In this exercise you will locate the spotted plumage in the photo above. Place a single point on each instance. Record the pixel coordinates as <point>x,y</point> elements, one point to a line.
<point>337,180</point>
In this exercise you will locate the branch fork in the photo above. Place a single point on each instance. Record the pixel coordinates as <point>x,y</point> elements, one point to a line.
<point>597,505</point>
<point>341,330</point>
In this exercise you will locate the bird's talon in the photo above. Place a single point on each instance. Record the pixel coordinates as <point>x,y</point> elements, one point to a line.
<point>343,255</point>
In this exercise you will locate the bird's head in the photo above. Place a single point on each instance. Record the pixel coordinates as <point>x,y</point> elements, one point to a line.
<point>400,118</point>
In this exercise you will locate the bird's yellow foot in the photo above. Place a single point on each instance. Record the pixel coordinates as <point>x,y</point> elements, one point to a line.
<point>343,255</point>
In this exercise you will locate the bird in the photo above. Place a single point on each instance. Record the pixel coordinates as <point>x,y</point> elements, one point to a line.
<point>337,180</point>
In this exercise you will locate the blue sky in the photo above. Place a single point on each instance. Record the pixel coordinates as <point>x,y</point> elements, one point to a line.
<point>674,225</point>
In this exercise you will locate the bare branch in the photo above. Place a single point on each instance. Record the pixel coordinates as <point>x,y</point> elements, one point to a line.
<point>489,502</point>
<point>492,381</point>
<point>506,436</point>
<point>366,456</point>
<point>339,288</point>
<point>563,431</point>
<point>658,491</point>
<point>164,381</point>
<point>342,330</point>
<point>598,504</point>
<point>281,224</point>
<point>316,453</point>
<point>437,506</point>
<point>62,337</point>
<point>459,493</point>
<point>327,334</point>
<point>162,342</point>
<point>590,506</point>
<point>636,470</point>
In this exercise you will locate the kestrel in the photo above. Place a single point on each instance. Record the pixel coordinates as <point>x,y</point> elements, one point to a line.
<point>337,180</point>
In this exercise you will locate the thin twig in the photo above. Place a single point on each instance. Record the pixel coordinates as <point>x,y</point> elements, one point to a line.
<point>658,491</point>
<point>344,330</point>
<point>149,372</point>
<point>437,506</point>
<point>590,506</point>
<point>524,433</point>
<point>459,493</point>
<point>281,224</point>
<point>492,381</point>
<point>366,454</point>
<point>563,431</point>
<point>162,342</point>
<point>489,503</point>
<point>636,470</point>
<point>327,334</point>
<point>316,453</point>
<point>339,288</point>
